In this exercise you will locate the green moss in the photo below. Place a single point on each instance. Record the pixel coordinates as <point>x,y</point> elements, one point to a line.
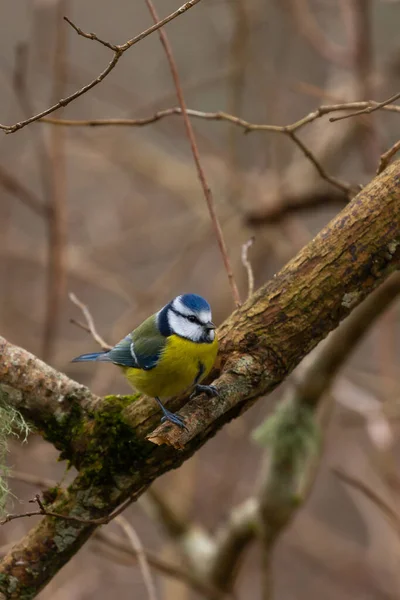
<point>291,431</point>
<point>294,440</point>
<point>10,586</point>
<point>52,494</point>
<point>113,448</point>
<point>101,444</point>
<point>60,429</point>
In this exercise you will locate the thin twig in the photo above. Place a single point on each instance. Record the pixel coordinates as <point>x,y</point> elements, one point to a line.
<point>218,116</point>
<point>387,156</point>
<point>91,36</point>
<point>248,127</point>
<point>184,575</point>
<point>118,52</point>
<point>359,23</point>
<point>113,540</point>
<point>289,130</point>
<point>247,265</point>
<point>362,487</point>
<point>55,219</point>
<point>341,185</point>
<point>369,109</point>
<point>155,505</point>
<point>48,513</point>
<point>140,554</point>
<point>57,200</point>
<point>304,20</point>
<point>13,186</point>
<point>31,479</point>
<point>91,327</point>
<point>196,157</point>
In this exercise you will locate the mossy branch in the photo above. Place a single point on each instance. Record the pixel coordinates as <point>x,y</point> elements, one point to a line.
<point>260,345</point>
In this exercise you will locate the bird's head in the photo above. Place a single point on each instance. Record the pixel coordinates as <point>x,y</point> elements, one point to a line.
<point>189,316</point>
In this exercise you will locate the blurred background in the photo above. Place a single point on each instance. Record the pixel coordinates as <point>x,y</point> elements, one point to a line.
<point>117,216</point>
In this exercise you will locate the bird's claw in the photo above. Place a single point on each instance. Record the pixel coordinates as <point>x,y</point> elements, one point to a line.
<point>210,390</point>
<point>173,418</point>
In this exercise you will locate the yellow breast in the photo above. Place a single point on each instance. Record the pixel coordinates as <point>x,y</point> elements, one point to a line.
<point>176,370</point>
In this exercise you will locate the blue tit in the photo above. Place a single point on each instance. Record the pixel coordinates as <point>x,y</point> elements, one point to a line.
<point>169,353</point>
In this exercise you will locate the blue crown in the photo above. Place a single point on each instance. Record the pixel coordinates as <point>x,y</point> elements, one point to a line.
<point>195,303</point>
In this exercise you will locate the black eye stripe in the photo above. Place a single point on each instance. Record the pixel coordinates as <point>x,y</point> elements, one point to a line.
<point>193,319</point>
<point>190,318</point>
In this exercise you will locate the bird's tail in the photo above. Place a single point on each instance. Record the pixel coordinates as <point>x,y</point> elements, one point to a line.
<point>102,356</point>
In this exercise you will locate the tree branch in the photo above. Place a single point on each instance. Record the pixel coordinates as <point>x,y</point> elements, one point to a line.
<point>208,195</point>
<point>293,441</point>
<point>365,236</point>
<point>118,50</point>
<point>260,344</point>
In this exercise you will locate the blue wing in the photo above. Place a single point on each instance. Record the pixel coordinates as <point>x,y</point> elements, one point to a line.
<point>122,353</point>
<point>140,349</point>
<point>142,353</point>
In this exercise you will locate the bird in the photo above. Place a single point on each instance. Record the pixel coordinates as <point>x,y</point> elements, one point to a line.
<point>170,353</point>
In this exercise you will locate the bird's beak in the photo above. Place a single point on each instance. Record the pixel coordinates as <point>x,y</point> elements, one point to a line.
<point>210,326</point>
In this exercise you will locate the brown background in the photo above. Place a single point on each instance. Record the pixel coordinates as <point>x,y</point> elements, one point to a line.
<point>138,233</point>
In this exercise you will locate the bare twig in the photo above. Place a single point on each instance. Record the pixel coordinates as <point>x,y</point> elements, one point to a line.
<point>196,157</point>
<point>362,487</point>
<point>306,23</point>
<point>239,56</point>
<point>57,200</point>
<point>387,156</point>
<point>196,545</point>
<point>247,265</point>
<point>113,540</point>
<point>220,116</point>
<point>92,36</point>
<point>48,513</point>
<point>137,546</point>
<point>368,109</point>
<point>358,13</point>
<point>155,504</point>
<point>31,479</point>
<point>248,127</point>
<point>91,327</point>
<point>118,52</point>
<point>184,575</point>
<point>289,130</point>
<point>13,186</point>
<point>341,185</point>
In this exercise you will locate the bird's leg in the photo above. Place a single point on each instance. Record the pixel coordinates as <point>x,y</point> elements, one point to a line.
<point>210,390</point>
<point>170,416</point>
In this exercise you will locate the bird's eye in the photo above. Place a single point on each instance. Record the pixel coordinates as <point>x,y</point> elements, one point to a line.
<point>192,319</point>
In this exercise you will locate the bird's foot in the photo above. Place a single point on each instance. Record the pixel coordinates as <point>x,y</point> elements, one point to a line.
<point>173,418</point>
<point>210,390</point>
<point>170,416</point>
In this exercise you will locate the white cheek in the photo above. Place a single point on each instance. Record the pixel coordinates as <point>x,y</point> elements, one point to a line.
<point>183,327</point>
<point>211,335</point>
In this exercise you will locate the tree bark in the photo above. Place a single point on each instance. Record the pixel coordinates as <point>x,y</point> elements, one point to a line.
<point>109,439</point>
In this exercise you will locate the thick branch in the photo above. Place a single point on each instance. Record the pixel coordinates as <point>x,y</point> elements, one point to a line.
<point>294,443</point>
<point>268,336</point>
<point>260,344</point>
